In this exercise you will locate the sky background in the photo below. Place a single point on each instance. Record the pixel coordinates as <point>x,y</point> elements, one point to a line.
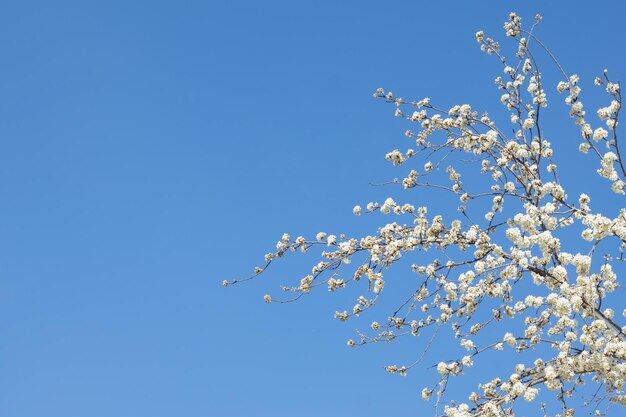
<point>151,149</point>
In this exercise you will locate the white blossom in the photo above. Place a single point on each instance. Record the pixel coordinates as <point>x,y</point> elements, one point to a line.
<point>521,258</point>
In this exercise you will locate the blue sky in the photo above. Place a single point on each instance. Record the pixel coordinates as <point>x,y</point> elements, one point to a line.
<point>150,150</point>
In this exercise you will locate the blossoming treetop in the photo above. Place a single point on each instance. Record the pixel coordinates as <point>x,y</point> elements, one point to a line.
<point>505,280</point>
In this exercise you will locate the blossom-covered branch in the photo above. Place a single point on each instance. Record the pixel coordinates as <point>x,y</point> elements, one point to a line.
<point>485,270</point>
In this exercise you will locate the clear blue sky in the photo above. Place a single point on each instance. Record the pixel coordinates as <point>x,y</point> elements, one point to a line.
<point>150,149</point>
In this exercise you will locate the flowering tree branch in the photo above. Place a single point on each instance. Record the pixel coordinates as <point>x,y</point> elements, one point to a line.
<point>485,268</point>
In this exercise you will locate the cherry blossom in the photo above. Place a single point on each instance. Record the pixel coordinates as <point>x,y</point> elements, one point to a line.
<point>479,279</point>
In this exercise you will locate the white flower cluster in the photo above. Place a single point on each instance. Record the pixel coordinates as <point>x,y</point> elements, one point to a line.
<point>591,137</point>
<point>487,266</point>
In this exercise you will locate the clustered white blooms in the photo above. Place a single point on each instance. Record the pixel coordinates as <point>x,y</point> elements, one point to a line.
<point>567,314</point>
